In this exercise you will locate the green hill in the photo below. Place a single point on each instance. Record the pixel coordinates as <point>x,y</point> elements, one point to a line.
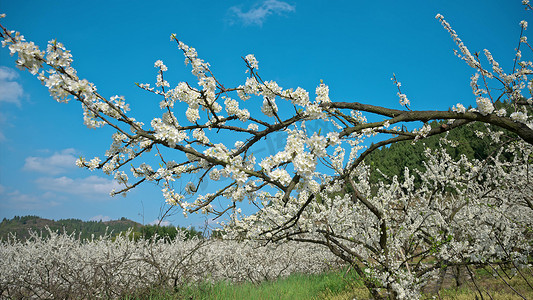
<point>21,226</point>
<point>392,160</point>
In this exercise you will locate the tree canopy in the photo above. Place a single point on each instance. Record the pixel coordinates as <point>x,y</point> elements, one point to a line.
<point>470,204</point>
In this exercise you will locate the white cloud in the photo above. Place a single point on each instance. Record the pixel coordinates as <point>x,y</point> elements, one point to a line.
<point>10,91</point>
<point>89,187</point>
<point>258,14</point>
<point>58,163</point>
<point>163,223</point>
<point>7,74</point>
<point>3,125</point>
<point>100,218</point>
<point>23,201</point>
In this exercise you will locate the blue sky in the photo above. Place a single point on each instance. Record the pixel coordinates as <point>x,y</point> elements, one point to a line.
<point>354,46</point>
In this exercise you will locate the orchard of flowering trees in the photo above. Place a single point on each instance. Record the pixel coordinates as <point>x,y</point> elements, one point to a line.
<point>63,266</point>
<point>463,213</point>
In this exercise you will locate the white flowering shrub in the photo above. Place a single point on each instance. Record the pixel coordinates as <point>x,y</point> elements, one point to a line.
<point>315,189</point>
<point>64,267</point>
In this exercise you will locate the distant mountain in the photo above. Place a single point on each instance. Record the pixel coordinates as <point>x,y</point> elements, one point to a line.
<point>20,226</point>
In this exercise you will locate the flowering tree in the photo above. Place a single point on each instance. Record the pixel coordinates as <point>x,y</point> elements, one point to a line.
<point>395,236</point>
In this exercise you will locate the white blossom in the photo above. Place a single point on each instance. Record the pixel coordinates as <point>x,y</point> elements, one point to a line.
<point>250,59</point>
<point>519,117</point>
<point>484,105</point>
<point>459,108</point>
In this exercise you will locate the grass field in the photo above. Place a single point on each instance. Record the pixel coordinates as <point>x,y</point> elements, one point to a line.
<point>336,285</point>
<point>331,285</point>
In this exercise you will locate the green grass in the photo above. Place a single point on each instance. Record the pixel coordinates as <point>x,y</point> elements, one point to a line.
<point>334,285</point>
<point>297,286</point>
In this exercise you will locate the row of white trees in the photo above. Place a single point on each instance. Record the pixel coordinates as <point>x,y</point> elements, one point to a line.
<point>65,267</point>
<point>316,189</point>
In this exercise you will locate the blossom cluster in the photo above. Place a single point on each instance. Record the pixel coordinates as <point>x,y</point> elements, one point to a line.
<point>513,84</point>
